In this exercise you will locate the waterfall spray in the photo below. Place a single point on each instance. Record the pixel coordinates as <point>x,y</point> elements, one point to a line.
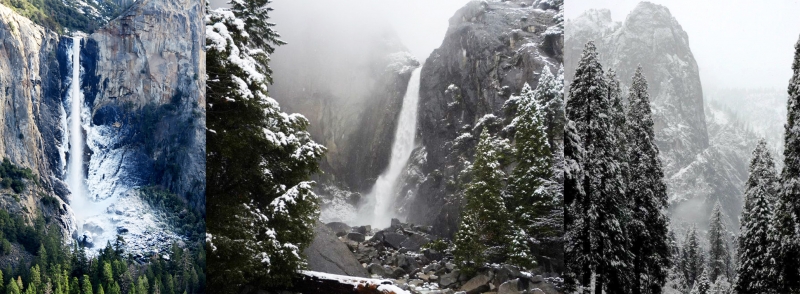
<point>385,189</point>
<point>75,173</point>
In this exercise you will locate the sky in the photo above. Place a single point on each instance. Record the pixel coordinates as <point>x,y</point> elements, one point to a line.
<point>737,44</point>
<point>420,24</point>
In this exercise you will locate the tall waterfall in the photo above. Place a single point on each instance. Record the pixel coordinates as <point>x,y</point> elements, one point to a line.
<point>81,205</point>
<point>385,189</point>
<point>75,173</point>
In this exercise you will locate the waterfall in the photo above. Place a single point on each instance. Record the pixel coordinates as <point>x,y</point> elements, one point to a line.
<point>81,205</point>
<point>385,189</point>
<point>75,173</point>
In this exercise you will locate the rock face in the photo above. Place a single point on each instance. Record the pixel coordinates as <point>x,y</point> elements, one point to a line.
<point>704,157</point>
<point>30,112</point>
<point>650,36</point>
<point>327,254</point>
<point>490,51</point>
<point>144,82</point>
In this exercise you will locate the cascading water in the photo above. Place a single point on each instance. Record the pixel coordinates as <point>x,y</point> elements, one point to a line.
<point>75,172</point>
<point>385,189</point>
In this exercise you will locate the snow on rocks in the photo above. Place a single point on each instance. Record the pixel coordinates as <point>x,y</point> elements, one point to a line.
<point>406,256</point>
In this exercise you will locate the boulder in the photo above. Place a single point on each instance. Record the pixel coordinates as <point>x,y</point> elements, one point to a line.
<point>505,273</point>
<point>478,284</point>
<point>397,273</point>
<point>358,237</point>
<point>393,239</point>
<point>338,228</point>
<point>509,287</point>
<point>378,237</point>
<point>449,279</point>
<point>364,230</point>
<point>376,269</point>
<point>432,254</point>
<point>396,223</point>
<point>327,254</point>
<point>415,242</point>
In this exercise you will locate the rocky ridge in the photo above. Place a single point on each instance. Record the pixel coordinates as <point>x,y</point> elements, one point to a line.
<point>704,157</point>
<point>490,50</point>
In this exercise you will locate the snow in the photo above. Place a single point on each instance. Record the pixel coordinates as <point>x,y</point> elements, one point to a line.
<point>385,286</point>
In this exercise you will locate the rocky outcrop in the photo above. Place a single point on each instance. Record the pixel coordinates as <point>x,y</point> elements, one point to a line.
<point>30,113</point>
<point>651,37</point>
<point>490,51</point>
<point>144,82</point>
<point>327,254</point>
<point>704,157</point>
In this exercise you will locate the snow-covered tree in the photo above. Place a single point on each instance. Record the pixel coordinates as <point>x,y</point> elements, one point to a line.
<point>702,285</point>
<point>723,286</point>
<point>692,260</point>
<point>719,256</point>
<point>576,235</point>
<point>484,219</point>
<point>260,205</point>
<point>603,207</point>
<point>788,208</point>
<point>532,195</point>
<point>581,214</point>
<point>646,188</point>
<point>756,269</point>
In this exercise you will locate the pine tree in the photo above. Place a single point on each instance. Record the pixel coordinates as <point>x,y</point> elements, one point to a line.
<point>788,209</point>
<point>576,223</point>
<point>13,287</point>
<point>722,286</point>
<point>756,270</point>
<point>86,285</point>
<point>692,261</point>
<point>719,257</point>
<point>261,209</point>
<point>532,197</point>
<point>603,206</point>
<point>484,214</point>
<point>702,285</point>
<point>648,192</point>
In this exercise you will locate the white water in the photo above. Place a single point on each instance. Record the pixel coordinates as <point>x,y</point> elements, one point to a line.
<point>385,189</point>
<point>75,173</point>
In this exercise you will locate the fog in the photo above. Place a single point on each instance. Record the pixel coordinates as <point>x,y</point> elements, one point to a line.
<point>737,44</point>
<point>420,24</point>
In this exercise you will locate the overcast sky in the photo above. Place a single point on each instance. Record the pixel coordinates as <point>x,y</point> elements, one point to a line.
<point>421,24</point>
<point>736,43</point>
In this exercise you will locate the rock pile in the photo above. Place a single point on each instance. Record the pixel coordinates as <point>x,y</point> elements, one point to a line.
<point>420,263</point>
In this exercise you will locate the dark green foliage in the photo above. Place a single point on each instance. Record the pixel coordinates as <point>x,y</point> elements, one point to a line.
<point>261,209</point>
<point>176,211</point>
<point>71,271</point>
<point>14,177</point>
<point>56,15</point>
<point>692,260</point>
<point>484,219</point>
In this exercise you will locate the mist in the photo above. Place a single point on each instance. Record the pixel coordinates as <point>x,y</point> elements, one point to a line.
<point>737,44</point>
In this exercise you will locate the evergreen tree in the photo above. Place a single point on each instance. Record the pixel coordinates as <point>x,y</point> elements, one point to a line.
<point>86,285</point>
<point>648,192</point>
<point>756,270</point>
<point>719,257</point>
<point>692,261</point>
<point>602,207</point>
<point>532,195</point>
<point>576,222</point>
<point>13,287</point>
<point>788,209</point>
<point>261,209</point>
<point>484,214</point>
<point>721,286</point>
<point>702,285</point>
